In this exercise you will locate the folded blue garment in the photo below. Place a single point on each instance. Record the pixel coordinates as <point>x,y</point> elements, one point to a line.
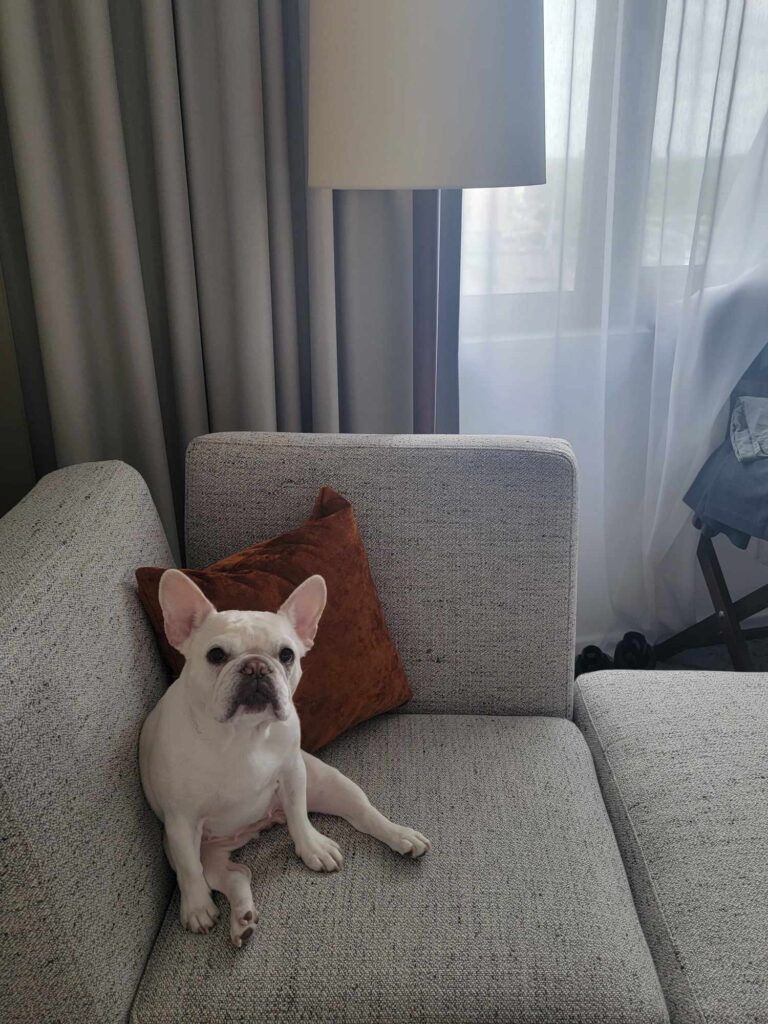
<point>731,497</point>
<point>749,428</point>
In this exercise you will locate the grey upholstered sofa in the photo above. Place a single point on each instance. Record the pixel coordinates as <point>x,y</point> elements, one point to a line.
<point>526,910</point>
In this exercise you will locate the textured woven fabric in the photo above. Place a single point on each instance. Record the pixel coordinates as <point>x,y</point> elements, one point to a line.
<point>683,763</point>
<point>82,874</point>
<point>520,913</point>
<point>471,542</point>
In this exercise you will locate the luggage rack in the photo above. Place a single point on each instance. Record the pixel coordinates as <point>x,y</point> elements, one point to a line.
<point>724,625</point>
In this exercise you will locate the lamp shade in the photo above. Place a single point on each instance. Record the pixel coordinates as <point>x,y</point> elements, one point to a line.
<point>425,93</point>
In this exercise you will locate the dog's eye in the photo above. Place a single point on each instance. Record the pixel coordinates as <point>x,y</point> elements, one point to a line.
<point>216,655</point>
<point>286,655</point>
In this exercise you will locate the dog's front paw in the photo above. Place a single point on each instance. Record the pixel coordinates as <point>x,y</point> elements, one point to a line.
<point>408,841</point>
<point>319,852</point>
<point>198,913</point>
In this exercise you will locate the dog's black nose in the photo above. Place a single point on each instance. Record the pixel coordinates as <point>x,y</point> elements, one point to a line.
<point>255,666</point>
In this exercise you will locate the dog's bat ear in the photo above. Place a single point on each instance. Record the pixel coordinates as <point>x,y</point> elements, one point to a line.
<point>185,607</point>
<point>304,608</point>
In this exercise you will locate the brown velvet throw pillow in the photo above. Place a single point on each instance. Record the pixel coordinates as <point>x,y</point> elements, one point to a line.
<point>353,671</point>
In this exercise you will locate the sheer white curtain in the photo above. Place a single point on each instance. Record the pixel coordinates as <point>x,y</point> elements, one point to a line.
<point>618,304</point>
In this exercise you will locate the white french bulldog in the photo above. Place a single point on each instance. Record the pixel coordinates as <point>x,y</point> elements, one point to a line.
<point>220,754</point>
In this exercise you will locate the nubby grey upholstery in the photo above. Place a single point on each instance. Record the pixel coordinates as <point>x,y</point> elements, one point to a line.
<point>520,913</point>
<point>83,880</point>
<point>471,540</point>
<point>683,763</point>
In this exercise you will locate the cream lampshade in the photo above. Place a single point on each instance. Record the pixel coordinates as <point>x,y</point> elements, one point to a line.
<point>425,93</point>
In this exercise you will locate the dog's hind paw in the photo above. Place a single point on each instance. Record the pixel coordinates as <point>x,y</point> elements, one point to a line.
<point>241,926</point>
<point>408,842</point>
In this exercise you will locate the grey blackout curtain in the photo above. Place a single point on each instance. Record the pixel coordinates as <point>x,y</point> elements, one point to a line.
<point>165,270</point>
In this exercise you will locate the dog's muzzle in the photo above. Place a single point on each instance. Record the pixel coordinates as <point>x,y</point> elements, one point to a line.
<point>257,688</point>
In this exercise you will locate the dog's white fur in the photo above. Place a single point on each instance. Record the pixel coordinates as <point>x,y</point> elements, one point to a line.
<point>220,754</point>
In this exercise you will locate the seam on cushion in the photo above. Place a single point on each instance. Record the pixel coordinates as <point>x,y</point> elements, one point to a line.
<point>187,460</point>
<point>217,437</point>
<point>570,685</point>
<point>133,1012</point>
<point>557,453</point>
<point>644,862</point>
<point>151,950</point>
<point>78,974</point>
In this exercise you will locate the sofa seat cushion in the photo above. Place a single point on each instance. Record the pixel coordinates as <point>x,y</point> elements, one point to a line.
<point>521,912</point>
<point>683,763</point>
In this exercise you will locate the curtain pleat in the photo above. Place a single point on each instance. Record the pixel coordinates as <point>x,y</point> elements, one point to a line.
<point>449,289</point>
<point>222,104</point>
<point>17,461</point>
<point>32,436</point>
<point>280,218</point>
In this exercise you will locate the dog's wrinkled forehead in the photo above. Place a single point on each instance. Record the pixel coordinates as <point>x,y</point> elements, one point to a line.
<point>238,632</point>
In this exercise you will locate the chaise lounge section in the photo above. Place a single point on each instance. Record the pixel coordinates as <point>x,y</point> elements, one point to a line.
<point>682,759</point>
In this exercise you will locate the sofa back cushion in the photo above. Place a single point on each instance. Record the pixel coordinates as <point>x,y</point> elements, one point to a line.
<point>471,543</point>
<point>82,871</point>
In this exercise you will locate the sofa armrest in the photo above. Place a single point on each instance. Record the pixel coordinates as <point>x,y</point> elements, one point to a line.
<point>85,884</point>
<point>471,541</point>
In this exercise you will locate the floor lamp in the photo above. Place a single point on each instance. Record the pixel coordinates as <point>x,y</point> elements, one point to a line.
<point>425,95</point>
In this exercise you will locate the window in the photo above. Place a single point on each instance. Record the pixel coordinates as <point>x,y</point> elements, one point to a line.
<point>640,147</point>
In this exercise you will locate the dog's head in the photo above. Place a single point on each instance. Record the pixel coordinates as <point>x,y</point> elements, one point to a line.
<point>241,666</point>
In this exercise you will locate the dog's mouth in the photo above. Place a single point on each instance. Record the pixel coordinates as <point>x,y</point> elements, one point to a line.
<point>252,696</point>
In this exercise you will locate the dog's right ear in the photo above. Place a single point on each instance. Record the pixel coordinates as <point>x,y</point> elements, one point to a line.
<point>185,607</point>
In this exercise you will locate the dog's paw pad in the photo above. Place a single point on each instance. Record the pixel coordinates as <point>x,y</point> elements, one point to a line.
<point>242,924</point>
<point>243,937</point>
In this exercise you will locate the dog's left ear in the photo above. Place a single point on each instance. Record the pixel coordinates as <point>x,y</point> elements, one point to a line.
<point>304,608</point>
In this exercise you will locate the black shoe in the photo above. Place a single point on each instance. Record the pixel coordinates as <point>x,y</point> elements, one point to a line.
<point>592,659</point>
<point>634,651</point>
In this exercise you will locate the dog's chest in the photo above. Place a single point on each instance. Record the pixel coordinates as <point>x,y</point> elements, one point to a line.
<point>242,790</point>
